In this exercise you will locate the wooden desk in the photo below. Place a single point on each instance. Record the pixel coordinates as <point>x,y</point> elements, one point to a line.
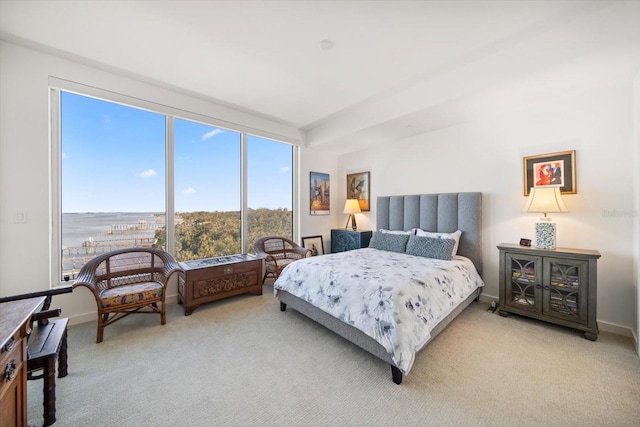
<point>212,279</point>
<point>14,329</point>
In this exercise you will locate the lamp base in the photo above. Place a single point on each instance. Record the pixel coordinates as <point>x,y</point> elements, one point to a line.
<point>545,235</point>
<point>351,218</point>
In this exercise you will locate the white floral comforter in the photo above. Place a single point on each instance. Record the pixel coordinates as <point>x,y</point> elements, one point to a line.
<point>395,298</point>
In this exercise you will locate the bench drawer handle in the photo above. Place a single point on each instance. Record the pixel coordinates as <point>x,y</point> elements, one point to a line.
<point>9,345</point>
<point>10,370</point>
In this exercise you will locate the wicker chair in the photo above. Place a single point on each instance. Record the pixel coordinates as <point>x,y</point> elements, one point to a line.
<point>278,252</point>
<point>127,281</point>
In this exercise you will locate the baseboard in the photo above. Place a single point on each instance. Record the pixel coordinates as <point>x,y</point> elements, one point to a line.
<point>615,329</point>
<point>487,298</point>
<point>82,318</point>
<point>636,342</point>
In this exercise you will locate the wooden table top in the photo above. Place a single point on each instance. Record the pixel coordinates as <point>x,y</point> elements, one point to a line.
<point>14,314</point>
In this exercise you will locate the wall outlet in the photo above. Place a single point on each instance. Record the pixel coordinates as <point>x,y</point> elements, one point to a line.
<point>20,217</point>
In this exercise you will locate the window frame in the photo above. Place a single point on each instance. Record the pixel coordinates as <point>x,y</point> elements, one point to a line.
<point>56,86</point>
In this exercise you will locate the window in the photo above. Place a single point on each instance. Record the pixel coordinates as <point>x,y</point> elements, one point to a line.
<point>132,176</point>
<point>112,178</point>
<point>270,189</point>
<point>207,191</point>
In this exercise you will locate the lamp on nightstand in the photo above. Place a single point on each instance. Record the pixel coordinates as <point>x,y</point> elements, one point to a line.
<point>545,200</point>
<point>351,207</point>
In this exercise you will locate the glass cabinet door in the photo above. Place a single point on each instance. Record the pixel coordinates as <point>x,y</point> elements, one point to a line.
<point>565,289</point>
<point>524,278</point>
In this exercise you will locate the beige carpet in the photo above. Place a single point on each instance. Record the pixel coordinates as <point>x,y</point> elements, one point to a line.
<point>242,362</point>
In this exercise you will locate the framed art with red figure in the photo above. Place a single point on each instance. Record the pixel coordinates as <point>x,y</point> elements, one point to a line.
<point>551,170</point>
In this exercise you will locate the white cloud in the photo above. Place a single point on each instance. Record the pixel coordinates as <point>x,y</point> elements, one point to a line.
<point>64,155</point>
<point>211,134</point>
<point>147,174</point>
<point>106,120</point>
<point>189,191</point>
<point>284,169</point>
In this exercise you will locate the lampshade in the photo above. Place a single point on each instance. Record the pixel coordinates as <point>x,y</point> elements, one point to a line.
<point>545,200</point>
<point>351,206</point>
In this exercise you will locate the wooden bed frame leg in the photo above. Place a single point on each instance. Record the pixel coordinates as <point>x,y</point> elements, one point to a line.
<point>283,306</point>
<point>396,375</point>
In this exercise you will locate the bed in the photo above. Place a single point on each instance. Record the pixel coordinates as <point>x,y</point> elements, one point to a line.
<point>369,295</point>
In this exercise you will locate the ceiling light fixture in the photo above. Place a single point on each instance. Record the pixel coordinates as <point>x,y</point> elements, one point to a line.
<point>326,44</point>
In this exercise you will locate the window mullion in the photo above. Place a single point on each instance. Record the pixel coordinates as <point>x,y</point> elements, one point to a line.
<point>170,187</point>
<point>244,224</point>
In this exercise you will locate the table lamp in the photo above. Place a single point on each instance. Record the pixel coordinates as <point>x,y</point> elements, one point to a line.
<point>351,207</point>
<point>545,200</point>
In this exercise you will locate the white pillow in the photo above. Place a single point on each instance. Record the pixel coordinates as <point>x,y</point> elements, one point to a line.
<point>455,236</point>
<point>409,232</point>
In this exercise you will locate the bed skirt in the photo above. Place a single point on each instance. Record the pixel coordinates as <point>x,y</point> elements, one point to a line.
<point>358,337</point>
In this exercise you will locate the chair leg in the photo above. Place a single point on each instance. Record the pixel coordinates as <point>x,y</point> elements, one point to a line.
<point>102,318</point>
<point>49,391</point>
<point>163,314</point>
<point>62,357</point>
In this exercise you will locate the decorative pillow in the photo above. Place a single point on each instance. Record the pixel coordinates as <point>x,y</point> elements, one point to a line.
<point>455,236</point>
<point>430,247</point>
<point>408,232</point>
<point>389,242</point>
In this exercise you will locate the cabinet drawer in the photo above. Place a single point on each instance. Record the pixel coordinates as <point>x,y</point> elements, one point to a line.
<point>11,364</point>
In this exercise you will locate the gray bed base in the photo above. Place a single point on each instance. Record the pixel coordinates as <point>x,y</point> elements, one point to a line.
<point>446,212</point>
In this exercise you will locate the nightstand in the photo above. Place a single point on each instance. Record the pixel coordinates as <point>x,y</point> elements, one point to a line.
<point>555,285</point>
<point>347,240</point>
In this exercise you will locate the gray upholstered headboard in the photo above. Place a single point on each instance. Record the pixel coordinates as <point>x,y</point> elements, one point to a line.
<point>443,212</point>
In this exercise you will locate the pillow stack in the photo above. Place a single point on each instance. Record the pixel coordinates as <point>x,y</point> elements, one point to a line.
<point>418,242</point>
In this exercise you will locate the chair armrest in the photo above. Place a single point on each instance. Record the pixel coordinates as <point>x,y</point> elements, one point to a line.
<point>86,279</point>
<point>171,266</point>
<point>300,252</point>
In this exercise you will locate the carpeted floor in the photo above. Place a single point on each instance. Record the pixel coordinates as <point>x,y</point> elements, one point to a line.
<point>242,362</point>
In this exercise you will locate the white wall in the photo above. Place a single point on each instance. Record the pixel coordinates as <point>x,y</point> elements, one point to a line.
<point>636,211</point>
<point>487,156</point>
<point>323,161</point>
<point>25,163</point>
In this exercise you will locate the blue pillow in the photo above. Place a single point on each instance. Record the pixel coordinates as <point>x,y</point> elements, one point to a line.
<point>389,242</point>
<point>430,247</point>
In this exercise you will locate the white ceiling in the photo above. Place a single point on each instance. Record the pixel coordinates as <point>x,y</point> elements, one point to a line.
<point>397,68</point>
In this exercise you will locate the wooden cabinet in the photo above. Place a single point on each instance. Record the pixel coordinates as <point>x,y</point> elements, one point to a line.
<point>14,327</point>
<point>347,240</point>
<point>555,285</point>
<point>212,279</point>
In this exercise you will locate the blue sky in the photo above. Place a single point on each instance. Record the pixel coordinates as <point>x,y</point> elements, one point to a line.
<point>113,160</point>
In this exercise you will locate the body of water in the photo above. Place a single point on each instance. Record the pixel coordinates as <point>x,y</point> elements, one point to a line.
<point>86,235</point>
<point>80,227</point>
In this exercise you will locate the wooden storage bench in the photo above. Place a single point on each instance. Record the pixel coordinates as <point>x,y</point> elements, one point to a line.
<point>212,279</point>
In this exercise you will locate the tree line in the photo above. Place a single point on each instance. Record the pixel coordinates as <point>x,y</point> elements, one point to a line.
<point>210,234</point>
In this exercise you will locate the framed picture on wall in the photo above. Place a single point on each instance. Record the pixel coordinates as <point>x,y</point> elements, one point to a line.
<point>551,170</point>
<point>314,244</point>
<point>359,188</point>
<point>319,192</point>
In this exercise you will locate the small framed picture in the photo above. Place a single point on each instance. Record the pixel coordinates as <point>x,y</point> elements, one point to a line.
<point>359,188</point>
<point>320,197</point>
<point>314,244</point>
